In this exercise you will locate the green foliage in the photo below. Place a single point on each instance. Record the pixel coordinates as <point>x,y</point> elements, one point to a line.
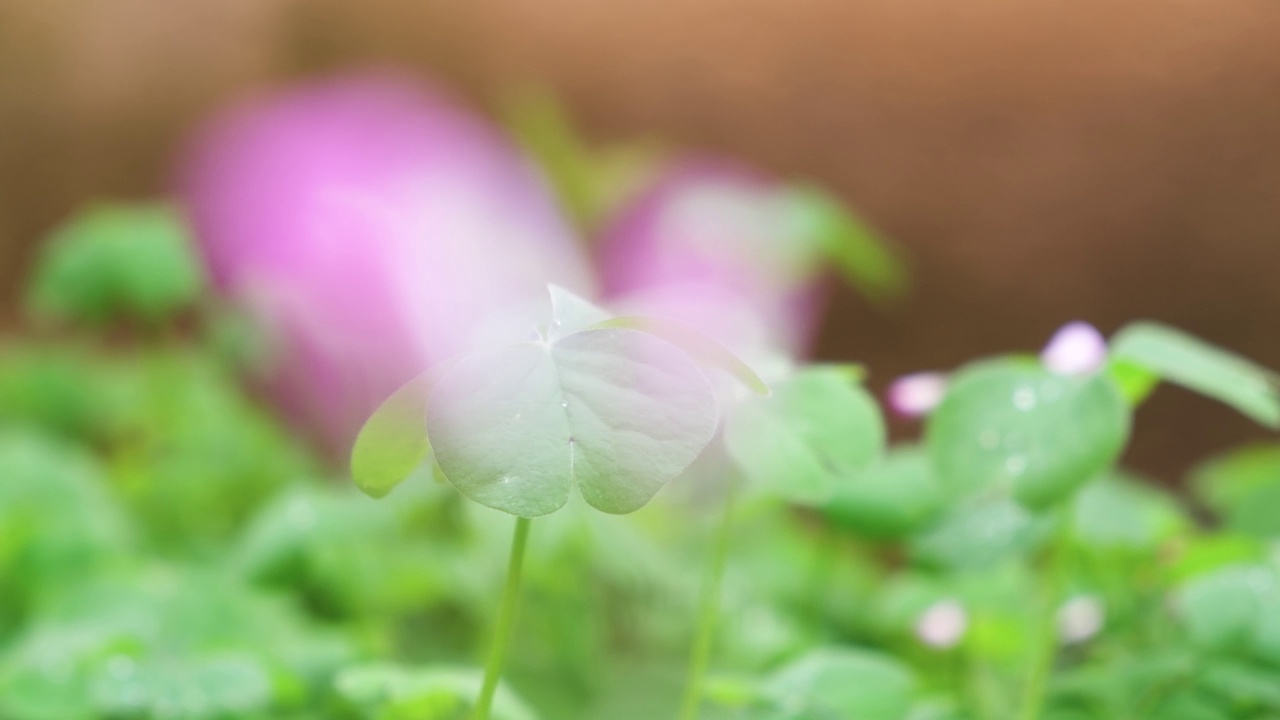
<point>1243,489</point>
<point>393,441</point>
<point>893,499</point>
<point>1179,358</point>
<point>116,261</point>
<point>1014,427</point>
<point>614,410</point>
<point>390,692</point>
<point>827,683</point>
<point>167,550</point>
<point>857,251</point>
<point>817,431</point>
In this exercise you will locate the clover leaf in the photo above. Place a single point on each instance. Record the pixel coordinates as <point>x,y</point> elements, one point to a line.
<point>1015,426</point>
<point>1179,358</point>
<point>816,431</point>
<point>617,409</point>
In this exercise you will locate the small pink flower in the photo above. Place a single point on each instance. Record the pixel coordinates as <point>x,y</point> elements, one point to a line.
<point>943,624</point>
<point>1080,618</point>
<point>1076,349</point>
<point>916,395</point>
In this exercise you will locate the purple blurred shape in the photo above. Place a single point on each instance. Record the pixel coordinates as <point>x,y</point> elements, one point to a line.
<point>717,245</point>
<point>916,395</point>
<point>1077,348</point>
<point>376,228</point>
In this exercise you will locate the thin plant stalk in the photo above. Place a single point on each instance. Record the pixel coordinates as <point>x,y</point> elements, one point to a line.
<point>506,619</point>
<point>1045,647</point>
<point>708,615</point>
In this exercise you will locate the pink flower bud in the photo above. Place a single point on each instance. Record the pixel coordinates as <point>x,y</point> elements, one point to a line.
<point>716,245</point>
<point>375,227</point>
<point>916,395</point>
<point>1080,618</point>
<point>943,624</point>
<point>1076,349</point>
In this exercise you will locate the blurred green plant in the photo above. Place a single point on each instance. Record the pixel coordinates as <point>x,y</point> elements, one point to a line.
<point>168,551</point>
<point>117,261</point>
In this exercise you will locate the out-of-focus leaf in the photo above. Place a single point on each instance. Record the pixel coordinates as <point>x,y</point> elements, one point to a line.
<point>980,532</point>
<point>843,682</point>
<point>117,260</point>
<point>859,253</point>
<point>817,430</point>
<point>893,498</point>
<point>1201,554</point>
<point>57,520</point>
<point>1015,427</point>
<point>393,692</point>
<point>165,644</point>
<point>1185,360</point>
<point>1243,488</point>
<point>589,181</point>
<point>1134,381</point>
<point>1121,513</point>
<point>1234,610</point>
<point>393,441</point>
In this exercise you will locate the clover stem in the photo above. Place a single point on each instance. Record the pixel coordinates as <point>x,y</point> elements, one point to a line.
<point>708,614</point>
<point>506,618</point>
<point>1045,642</point>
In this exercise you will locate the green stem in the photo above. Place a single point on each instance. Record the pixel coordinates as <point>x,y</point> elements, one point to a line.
<point>817,587</point>
<point>1046,640</point>
<point>506,618</point>
<point>708,614</point>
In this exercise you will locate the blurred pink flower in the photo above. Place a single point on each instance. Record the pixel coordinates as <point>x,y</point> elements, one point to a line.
<point>943,624</point>
<point>1076,349</point>
<point>716,245</point>
<point>916,395</point>
<point>377,227</point>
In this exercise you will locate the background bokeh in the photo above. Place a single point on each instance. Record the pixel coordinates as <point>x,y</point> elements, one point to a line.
<point>1036,162</point>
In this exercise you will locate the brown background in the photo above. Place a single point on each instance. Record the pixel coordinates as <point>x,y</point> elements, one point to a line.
<point>1039,160</point>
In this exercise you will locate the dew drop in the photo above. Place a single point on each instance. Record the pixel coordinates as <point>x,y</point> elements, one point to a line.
<point>1024,398</point>
<point>564,404</point>
<point>1015,465</point>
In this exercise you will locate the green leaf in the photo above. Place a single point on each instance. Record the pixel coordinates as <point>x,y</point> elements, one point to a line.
<point>1184,360</point>
<point>393,441</point>
<point>1118,512</point>
<point>980,532</point>
<point>858,251</point>
<point>816,431</point>
<point>429,693</point>
<point>699,346</point>
<point>618,413</point>
<point>589,181</point>
<point>1221,610</point>
<point>1135,382</point>
<point>117,260</point>
<point>1243,489</point>
<point>1019,428</point>
<point>892,499</point>
<point>843,683</point>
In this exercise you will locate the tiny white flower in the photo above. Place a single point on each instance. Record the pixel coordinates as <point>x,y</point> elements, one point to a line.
<point>916,395</point>
<point>1080,618</point>
<point>1076,349</point>
<point>943,624</point>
